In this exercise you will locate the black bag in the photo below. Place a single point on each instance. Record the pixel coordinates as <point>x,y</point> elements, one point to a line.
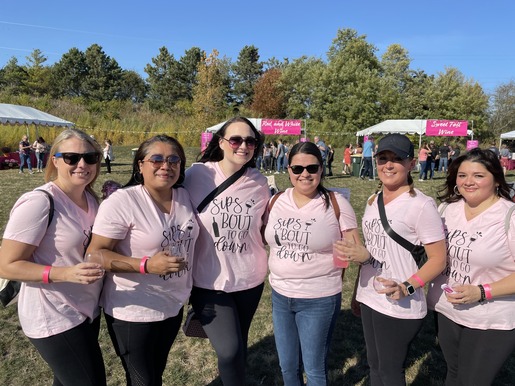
<point>417,251</point>
<point>192,326</point>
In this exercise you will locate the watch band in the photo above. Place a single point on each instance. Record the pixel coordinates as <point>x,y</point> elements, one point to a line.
<point>409,288</point>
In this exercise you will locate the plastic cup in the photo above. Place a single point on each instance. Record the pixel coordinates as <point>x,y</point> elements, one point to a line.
<point>337,261</point>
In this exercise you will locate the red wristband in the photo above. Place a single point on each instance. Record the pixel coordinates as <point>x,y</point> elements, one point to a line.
<point>419,280</point>
<point>143,265</point>
<point>46,274</point>
<point>488,291</point>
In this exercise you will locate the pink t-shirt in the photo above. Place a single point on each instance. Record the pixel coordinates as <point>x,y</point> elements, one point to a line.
<point>417,220</point>
<point>49,309</point>
<point>479,252</point>
<point>422,155</point>
<point>131,216</point>
<point>230,255</point>
<point>301,246</point>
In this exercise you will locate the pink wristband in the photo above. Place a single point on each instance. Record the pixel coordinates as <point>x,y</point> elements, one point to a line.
<point>488,291</point>
<point>46,274</point>
<point>419,280</point>
<point>143,265</point>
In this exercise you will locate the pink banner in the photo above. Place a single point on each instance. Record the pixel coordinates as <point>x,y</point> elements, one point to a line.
<point>281,126</point>
<point>444,128</point>
<point>472,144</point>
<point>204,140</point>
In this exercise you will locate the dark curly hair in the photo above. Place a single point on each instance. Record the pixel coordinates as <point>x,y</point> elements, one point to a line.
<point>489,160</point>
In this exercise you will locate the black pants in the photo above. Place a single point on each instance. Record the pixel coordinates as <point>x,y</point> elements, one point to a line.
<point>474,357</point>
<point>74,356</point>
<point>226,318</point>
<point>387,340</point>
<point>143,347</point>
<point>108,164</point>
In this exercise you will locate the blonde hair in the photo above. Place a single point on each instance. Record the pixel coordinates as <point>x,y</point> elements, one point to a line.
<point>51,170</point>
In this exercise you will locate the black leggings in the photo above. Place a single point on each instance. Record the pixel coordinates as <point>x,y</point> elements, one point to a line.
<point>387,340</point>
<point>226,318</point>
<point>74,355</point>
<point>143,347</point>
<point>474,357</point>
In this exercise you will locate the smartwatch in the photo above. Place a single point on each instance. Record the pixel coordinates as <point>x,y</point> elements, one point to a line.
<point>409,288</point>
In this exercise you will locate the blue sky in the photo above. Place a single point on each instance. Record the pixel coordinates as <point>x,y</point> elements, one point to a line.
<point>475,36</point>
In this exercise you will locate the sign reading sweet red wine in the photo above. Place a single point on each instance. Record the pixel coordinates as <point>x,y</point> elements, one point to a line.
<point>445,128</point>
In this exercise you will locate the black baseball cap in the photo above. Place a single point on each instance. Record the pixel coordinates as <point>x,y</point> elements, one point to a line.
<point>398,144</point>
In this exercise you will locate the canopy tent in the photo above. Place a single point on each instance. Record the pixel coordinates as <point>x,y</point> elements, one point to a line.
<point>23,115</point>
<point>508,135</point>
<point>400,126</point>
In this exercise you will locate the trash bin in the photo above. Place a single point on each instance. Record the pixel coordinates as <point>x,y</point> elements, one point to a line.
<point>355,164</point>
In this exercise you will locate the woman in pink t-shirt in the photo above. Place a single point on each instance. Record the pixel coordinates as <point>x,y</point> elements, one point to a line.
<point>58,301</point>
<point>146,233</point>
<point>476,322</point>
<point>393,315</point>
<point>306,284</point>
<point>230,257</point>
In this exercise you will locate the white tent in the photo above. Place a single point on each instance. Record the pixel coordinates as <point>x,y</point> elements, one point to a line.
<point>23,115</point>
<point>508,135</point>
<point>401,126</point>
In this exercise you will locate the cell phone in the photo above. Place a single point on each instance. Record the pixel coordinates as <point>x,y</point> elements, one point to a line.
<point>448,289</point>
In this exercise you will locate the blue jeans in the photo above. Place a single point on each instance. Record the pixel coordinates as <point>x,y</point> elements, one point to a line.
<point>367,168</point>
<point>303,330</point>
<point>25,157</point>
<point>422,170</point>
<point>443,164</point>
<point>41,158</point>
<point>280,163</point>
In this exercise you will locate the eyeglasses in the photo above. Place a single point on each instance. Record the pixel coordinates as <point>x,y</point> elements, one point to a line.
<point>157,161</point>
<point>383,159</point>
<point>74,158</point>
<point>298,169</point>
<point>236,141</point>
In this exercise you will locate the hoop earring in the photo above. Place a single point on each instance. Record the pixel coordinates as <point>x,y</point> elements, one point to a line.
<point>456,190</point>
<point>138,177</point>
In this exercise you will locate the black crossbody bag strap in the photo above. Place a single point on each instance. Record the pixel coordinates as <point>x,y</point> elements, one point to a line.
<point>220,188</point>
<point>398,239</point>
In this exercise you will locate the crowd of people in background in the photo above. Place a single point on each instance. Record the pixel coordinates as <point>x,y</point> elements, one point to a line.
<point>172,236</point>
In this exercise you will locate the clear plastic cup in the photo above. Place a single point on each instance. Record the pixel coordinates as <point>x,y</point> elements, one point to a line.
<point>337,259</point>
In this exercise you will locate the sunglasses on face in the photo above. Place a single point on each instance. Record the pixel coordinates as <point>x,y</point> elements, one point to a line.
<point>236,140</point>
<point>157,161</point>
<point>74,158</point>
<point>383,159</point>
<point>298,169</point>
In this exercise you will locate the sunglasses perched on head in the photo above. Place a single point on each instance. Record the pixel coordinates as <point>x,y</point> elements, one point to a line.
<point>157,160</point>
<point>236,140</point>
<point>74,158</point>
<point>298,169</point>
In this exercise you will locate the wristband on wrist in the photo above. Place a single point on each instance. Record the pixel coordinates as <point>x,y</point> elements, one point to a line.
<point>46,274</point>
<point>488,291</point>
<point>418,280</point>
<point>483,295</point>
<point>143,265</point>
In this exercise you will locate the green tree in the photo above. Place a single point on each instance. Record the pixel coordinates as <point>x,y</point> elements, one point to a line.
<point>299,82</point>
<point>209,98</point>
<point>14,78</point>
<point>246,72</point>
<point>132,87</point>
<point>162,80</point>
<point>502,109</point>
<point>69,73</point>
<point>348,92</point>
<point>187,71</point>
<point>38,76</point>
<point>103,75</point>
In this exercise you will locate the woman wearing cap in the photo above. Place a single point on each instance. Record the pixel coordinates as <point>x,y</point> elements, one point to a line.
<point>393,315</point>
<point>476,323</point>
<point>230,257</point>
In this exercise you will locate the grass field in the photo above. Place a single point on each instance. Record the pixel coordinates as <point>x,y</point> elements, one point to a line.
<point>192,361</point>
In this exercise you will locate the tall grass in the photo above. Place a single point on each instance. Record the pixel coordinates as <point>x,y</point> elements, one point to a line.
<point>192,361</point>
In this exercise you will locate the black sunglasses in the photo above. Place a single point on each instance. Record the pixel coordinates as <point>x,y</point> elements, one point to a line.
<point>74,158</point>
<point>236,140</point>
<point>157,160</point>
<point>298,169</point>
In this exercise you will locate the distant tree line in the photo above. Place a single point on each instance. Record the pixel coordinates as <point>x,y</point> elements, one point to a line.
<point>347,91</point>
